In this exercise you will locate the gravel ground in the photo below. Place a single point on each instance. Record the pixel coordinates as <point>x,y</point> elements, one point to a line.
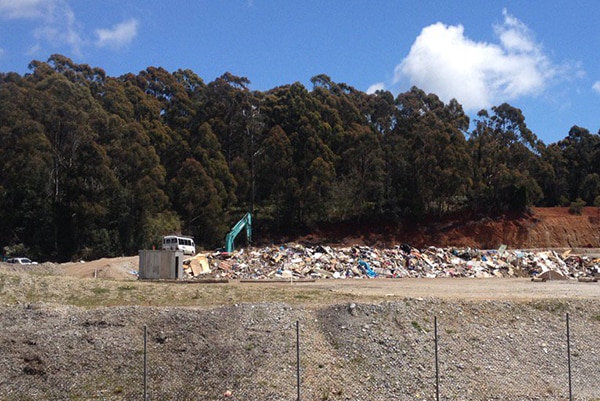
<point>497,339</point>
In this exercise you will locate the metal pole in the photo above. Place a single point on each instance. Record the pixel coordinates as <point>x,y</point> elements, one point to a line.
<point>569,358</point>
<point>298,358</point>
<point>145,362</point>
<point>437,367</point>
<point>251,135</point>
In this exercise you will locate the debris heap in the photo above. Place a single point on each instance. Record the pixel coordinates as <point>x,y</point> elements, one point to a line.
<point>296,261</point>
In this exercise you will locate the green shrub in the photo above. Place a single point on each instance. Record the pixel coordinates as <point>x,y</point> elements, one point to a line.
<point>577,206</point>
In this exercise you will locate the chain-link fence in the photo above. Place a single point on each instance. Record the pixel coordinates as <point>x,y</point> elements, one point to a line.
<point>275,352</point>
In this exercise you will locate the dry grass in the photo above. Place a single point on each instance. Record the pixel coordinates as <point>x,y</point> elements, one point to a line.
<point>19,288</point>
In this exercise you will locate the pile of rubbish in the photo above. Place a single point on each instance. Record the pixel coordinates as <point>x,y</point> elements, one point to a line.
<point>295,261</point>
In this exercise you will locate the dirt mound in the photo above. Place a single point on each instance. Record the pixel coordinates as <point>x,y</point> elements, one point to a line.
<point>123,268</point>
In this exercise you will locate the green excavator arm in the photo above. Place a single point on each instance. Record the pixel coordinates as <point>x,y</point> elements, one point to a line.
<point>245,222</point>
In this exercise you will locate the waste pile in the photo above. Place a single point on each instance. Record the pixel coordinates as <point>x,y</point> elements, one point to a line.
<point>296,261</point>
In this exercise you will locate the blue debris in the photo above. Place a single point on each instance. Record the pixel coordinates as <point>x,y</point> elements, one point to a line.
<point>366,268</point>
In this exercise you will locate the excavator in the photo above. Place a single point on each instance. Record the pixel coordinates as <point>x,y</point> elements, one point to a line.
<point>245,222</point>
<point>199,264</point>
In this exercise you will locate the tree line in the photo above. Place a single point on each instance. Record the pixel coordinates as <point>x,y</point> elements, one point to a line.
<point>93,165</point>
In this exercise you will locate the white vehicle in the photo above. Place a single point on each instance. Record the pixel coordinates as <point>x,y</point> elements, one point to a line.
<point>21,261</point>
<point>179,243</point>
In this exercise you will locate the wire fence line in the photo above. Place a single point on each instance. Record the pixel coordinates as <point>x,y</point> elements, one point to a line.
<point>305,360</point>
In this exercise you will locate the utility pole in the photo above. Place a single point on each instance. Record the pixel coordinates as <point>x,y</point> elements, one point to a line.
<point>250,125</point>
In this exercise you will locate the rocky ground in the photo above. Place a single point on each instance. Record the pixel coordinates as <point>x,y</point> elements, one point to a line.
<point>67,337</point>
<point>77,332</point>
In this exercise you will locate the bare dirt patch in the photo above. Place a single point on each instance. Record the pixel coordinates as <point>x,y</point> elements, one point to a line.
<point>540,228</point>
<point>123,268</point>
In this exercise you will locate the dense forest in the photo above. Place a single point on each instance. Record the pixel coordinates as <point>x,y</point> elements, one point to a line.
<point>92,165</point>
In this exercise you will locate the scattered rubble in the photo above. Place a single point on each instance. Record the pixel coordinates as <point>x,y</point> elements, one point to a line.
<point>296,261</point>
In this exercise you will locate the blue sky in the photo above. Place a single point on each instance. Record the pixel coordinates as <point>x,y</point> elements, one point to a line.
<point>540,56</point>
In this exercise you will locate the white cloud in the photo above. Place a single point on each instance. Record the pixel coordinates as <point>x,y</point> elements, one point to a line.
<point>61,27</point>
<point>33,50</point>
<point>596,86</point>
<point>376,87</point>
<point>120,35</point>
<point>444,61</point>
<point>17,9</point>
<point>58,24</point>
<point>515,35</point>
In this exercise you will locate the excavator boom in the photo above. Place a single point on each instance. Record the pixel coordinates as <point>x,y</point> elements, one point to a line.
<point>245,222</point>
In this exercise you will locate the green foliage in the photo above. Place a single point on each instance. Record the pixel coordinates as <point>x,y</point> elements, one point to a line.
<point>163,223</point>
<point>98,166</point>
<point>563,201</point>
<point>196,195</point>
<point>506,156</point>
<point>15,250</point>
<point>580,152</point>
<point>590,188</point>
<point>576,207</point>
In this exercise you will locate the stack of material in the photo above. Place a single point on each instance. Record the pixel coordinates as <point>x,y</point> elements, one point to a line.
<point>196,266</point>
<point>296,261</point>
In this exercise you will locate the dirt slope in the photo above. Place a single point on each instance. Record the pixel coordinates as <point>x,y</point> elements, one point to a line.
<point>541,228</point>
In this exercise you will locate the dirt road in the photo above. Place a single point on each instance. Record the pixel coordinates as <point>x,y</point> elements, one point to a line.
<point>522,289</point>
<point>469,289</point>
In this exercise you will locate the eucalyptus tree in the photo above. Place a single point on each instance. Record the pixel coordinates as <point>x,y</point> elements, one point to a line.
<point>357,189</point>
<point>552,176</point>
<point>427,155</point>
<point>506,154</point>
<point>581,154</point>
<point>276,180</point>
<point>297,112</point>
<point>196,198</point>
<point>26,165</point>
<point>64,103</point>
<point>226,99</point>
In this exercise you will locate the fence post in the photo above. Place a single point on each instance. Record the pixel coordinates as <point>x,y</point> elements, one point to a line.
<point>298,358</point>
<point>145,362</point>
<point>569,358</point>
<point>437,368</point>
